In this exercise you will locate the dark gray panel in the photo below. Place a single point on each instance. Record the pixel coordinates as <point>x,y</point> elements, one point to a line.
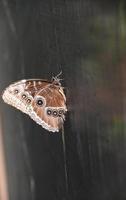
<point>86,40</point>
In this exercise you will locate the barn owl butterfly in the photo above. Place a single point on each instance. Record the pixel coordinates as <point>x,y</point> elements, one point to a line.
<point>44,101</point>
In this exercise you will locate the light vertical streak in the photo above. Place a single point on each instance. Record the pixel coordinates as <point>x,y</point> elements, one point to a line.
<point>65,161</point>
<point>3,177</point>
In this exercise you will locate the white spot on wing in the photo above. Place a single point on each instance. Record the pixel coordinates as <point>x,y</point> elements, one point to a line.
<point>23,81</point>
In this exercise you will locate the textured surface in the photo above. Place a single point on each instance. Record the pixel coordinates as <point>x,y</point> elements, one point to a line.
<point>86,39</point>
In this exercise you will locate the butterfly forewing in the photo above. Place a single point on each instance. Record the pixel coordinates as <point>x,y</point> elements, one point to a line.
<point>43,101</point>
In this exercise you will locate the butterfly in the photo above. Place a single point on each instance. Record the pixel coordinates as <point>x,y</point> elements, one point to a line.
<point>44,101</point>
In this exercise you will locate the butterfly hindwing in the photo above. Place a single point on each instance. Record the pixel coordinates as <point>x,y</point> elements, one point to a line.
<point>42,100</point>
<point>49,105</point>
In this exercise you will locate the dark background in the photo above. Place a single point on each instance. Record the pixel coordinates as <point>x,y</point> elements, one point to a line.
<point>86,39</point>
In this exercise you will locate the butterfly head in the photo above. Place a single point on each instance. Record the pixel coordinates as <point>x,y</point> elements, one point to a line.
<point>56,80</point>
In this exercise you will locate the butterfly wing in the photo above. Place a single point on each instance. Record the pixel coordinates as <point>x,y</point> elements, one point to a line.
<point>49,106</point>
<point>42,100</point>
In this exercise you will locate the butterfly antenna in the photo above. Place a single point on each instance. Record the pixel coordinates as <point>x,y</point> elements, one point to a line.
<point>57,76</point>
<point>65,160</point>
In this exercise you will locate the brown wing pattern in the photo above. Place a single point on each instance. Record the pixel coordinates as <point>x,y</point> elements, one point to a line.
<point>54,102</point>
<point>35,85</point>
<point>42,100</point>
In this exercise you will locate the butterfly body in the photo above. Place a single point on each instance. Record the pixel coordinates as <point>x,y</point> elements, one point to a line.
<point>44,101</point>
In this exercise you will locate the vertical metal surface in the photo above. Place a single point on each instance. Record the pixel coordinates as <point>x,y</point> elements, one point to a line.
<point>86,39</point>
